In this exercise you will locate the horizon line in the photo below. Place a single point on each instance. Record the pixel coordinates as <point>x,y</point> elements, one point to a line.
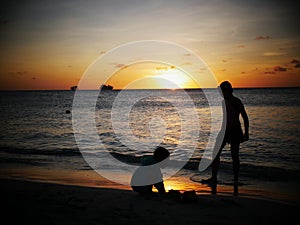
<point>142,89</point>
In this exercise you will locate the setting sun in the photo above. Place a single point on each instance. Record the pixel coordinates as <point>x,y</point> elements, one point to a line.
<point>159,76</point>
<point>174,79</point>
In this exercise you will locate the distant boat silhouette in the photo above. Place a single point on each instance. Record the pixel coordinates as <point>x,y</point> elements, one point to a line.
<point>106,87</point>
<point>73,88</point>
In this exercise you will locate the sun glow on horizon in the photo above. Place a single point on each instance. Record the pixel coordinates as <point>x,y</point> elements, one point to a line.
<point>174,79</point>
<point>159,76</point>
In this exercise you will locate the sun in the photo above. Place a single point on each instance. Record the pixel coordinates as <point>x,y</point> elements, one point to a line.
<point>173,79</point>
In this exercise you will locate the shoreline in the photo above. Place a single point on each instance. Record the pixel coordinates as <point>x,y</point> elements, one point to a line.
<point>47,203</point>
<point>281,192</point>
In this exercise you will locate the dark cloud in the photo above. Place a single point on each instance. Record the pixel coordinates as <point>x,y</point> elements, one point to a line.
<point>269,72</point>
<point>225,60</point>
<point>120,65</point>
<point>33,78</point>
<point>18,73</point>
<point>262,37</point>
<point>161,68</point>
<point>280,69</point>
<point>188,54</point>
<point>275,69</point>
<point>295,61</point>
<point>165,67</point>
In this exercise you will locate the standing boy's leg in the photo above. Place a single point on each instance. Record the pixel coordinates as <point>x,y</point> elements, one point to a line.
<point>235,148</point>
<point>215,164</point>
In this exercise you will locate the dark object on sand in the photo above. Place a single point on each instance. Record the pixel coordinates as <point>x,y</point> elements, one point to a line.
<point>189,196</point>
<point>174,195</point>
<point>186,197</point>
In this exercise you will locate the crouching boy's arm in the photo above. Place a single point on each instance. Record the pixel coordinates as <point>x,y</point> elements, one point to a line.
<point>161,188</point>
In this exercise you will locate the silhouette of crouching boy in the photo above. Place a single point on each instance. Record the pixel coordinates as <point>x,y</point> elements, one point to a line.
<point>149,174</point>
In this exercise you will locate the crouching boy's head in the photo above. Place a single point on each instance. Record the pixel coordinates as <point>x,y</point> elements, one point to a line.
<point>160,154</point>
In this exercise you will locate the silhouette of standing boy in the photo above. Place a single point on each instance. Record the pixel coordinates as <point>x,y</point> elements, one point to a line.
<point>233,134</point>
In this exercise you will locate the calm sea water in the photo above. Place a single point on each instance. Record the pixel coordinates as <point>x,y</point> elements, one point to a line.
<point>36,130</point>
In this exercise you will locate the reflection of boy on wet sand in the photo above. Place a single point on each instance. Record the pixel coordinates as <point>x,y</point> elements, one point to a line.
<point>233,133</point>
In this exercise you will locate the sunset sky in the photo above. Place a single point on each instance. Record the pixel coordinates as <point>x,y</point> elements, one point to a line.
<point>48,45</point>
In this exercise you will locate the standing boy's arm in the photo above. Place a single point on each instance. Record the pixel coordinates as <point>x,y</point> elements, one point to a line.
<point>246,123</point>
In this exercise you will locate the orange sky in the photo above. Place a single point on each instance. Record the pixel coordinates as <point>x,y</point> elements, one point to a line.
<point>50,46</point>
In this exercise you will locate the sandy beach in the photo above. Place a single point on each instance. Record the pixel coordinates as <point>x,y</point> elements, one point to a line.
<point>27,202</point>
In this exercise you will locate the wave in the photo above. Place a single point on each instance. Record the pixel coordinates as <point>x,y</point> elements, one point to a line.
<point>54,152</point>
<point>261,172</point>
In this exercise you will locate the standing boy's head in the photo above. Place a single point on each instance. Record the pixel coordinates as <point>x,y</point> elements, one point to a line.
<point>226,88</point>
<point>161,154</point>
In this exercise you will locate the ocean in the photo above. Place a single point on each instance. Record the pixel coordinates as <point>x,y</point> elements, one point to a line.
<point>37,131</point>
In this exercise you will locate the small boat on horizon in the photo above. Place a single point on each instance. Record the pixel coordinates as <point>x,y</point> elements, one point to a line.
<point>73,88</point>
<point>106,87</point>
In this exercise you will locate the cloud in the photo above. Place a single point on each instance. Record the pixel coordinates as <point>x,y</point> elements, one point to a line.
<point>225,60</point>
<point>161,68</point>
<point>33,78</point>
<point>275,69</point>
<point>18,73</point>
<point>201,70</point>
<point>295,61</point>
<point>269,72</point>
<point>120,65</point>
<point>279,69</point>
<point>186,64</point>
<point>262,37</point>
<point>188,54</point>
<point>274,53</point>
<point>165,67</point>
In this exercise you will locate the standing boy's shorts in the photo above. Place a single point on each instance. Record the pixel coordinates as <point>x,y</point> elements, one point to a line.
<point>233,136</point>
